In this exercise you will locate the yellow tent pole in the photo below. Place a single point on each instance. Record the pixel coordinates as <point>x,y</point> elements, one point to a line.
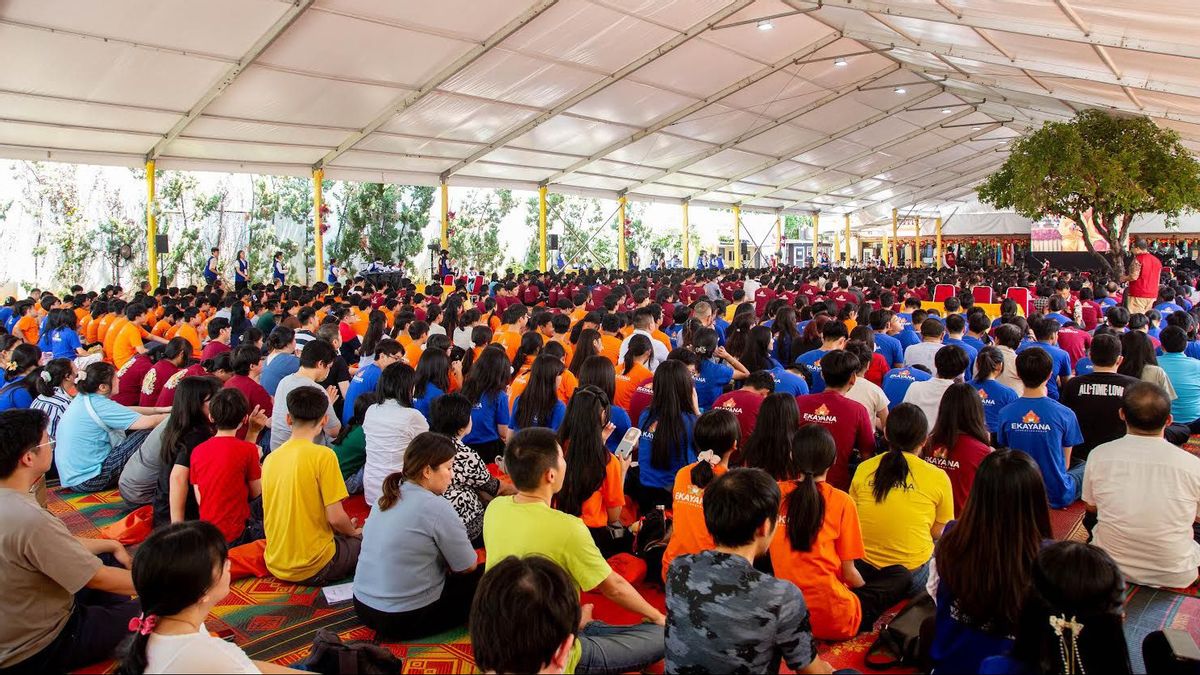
<point>445,216</point>
<point>816,217</point>
<point>917,244</point>
<point>892,251</point>
<point>622,261</point>
<point>885,251</point>
<point>938,242</point>
<point>837,248</point>
<point>737,236</point>
<point>686,237</point>
<point>151,227</point>
<point>847,240</point>
<point>779,238</point>
<point>318,237</point>
<point>542,227</point>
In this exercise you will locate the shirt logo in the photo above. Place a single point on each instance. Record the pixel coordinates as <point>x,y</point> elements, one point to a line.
<point>1030,422</point>
<point>821,415</point>
<point>983,394</point>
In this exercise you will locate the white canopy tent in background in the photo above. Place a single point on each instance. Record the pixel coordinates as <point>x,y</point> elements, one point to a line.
<point>831,106</point>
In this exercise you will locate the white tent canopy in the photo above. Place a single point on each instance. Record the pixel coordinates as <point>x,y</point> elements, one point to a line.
<point>842,106</point>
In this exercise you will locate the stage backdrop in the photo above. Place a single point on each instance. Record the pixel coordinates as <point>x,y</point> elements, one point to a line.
<point>1059,235</point>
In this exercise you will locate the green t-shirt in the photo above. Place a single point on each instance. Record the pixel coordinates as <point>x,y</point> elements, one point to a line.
<point>265,322</point>
<point>352,451</point>
<point>511,529</point>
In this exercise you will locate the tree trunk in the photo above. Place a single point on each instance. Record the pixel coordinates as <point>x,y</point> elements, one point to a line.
<point>1105,260</point>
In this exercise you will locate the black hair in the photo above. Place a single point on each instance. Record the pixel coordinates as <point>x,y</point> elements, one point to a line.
<point>585,346</point>
<point>432,368</point>
<point>1146,406</point>
<point>1174,339</point>
<point>489,375</point>
<point>317,352</point>
<point>24,364</point>
<point>243,358</point>
<point>53,375</point>
<point>837,367</point>
<point>717,431</point>
<point>396,383</point>
<point>673,398</point>
<point>535,406</point>
<point>639,345</point>
<point>187,414</point>
<point>96,375</point>
<point>1138,352</point>
<point>172,570</point>
<point>216,325</point>
<point>1034,367</point>
<point>597,371</point>
<point>587,457</point>
<point>950,361</point>
<point>449,414</point>
<point>20,432</point>
<point>813,452</point>
<point>1105,350</point>
<point>425,450</point>
<point>528,454</point>
<point>362,403</point>
<point>769,446</point>
<point>228,408</point>
<point>376,325</point>
<point>307,404</point>
<point>906,431</point>
<point>986,362</point>
<point>737,503</point>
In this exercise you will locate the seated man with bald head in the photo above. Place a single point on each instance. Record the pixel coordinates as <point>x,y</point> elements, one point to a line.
<point>1145,493</point>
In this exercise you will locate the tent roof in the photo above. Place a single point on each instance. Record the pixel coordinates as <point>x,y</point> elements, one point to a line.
<point>660,99</point>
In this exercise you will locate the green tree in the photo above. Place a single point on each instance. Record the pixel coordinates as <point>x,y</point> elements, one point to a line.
<point>390,217</point>
<point>268,205</point>
<point>475,230</point>
<point>554,206</point>
<point>587,235</point>
<point>1099,166</point>
<point>669,243</point>
<point>182,209</point>
<point>50,194</point>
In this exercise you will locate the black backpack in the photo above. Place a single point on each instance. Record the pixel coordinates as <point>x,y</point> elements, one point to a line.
<point>331,656</point>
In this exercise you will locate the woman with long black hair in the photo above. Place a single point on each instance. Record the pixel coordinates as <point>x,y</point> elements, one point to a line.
<point>432,379</point>
<point>984,562</point>
<point>903,501</point>
<point>711,374</point>
<point>376,331</point>
<point>769,446</point>
<point>593,485</point>
<point>1138,360</point>
<point>538,404</point>
<point>389,426</point>
<point>666,425</point>
<point>756,351</point>
<point>486,387</point>
<point>530,346</point>
<point>597,371</point>
<point>960,440</point>
<point>588,344</point>
<point>818,545</point>
<point>189,425</point>
<point>20,378</point>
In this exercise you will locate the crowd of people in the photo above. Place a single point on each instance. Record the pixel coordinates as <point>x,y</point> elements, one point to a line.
<point>793,452</point>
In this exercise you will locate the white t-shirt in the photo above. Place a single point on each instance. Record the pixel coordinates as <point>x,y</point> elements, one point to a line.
<point>927,396</point>
<point>922,353</point>
<point>869,395</point>
<point>1147,495</point>
<point>195,653</point>
<point>389,427</point>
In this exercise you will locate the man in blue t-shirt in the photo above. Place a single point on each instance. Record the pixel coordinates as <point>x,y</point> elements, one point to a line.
<point>956,325</point>
<point>1044,429</point>
<point>387,352</point>
<point>886,324</point>
<point>911,334</point>
<point>1045,334</point>
<point>833,335</point>
<point>897,381</point>
<point>788,382</point>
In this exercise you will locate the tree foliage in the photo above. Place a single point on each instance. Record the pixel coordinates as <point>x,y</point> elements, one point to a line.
<point>182,209</point>
<point>475,230</point>
<point>389,217</point>
<point>1099,166</point>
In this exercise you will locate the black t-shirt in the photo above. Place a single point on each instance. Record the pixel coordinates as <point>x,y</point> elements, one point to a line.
<point>1096,400</point>
<point>339,372</point>
<point>183,457</point>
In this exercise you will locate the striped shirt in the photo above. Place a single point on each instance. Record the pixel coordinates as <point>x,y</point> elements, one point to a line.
<point>54,407</point>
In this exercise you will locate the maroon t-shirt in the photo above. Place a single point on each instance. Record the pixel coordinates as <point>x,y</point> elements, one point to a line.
<point>212,349</point>
<point>1074,342</point>
<point>255,393</point>
<point>762,297</point>
<point>222,469</point>
<point>847,421</point>
<point>960,464</point>
<point>129,380</point>
<point>744,405</point>
<point>640,400</point>
<point>154,380</point>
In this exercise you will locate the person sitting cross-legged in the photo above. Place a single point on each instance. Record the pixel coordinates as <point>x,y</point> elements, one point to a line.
<point>310,539</point>
<point>724,616</point>
<point>225,473</point>
<point>526,525</point>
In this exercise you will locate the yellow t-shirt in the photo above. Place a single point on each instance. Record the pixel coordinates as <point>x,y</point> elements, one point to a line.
<point>126,344</point>
<point>299,480</point>
<point>511,529</point>
<point>897,530</point>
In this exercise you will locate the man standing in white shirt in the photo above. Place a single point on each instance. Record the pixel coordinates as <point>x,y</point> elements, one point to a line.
<point>931,342</point>
<point>1145,493</point>
<point>948,366</point>
<point>644,324</point>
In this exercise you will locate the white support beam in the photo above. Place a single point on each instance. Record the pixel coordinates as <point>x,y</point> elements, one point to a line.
<point>761,129</point>
<point>277,29</point>
<point>1014,26</point>
<point>602,84</point>
<point>110,39</point>
<point>917,195</point>
<point>794,152</point>
<point>682,113</point>
<point>410,99</point>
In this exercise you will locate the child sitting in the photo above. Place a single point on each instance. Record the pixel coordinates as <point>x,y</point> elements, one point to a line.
<point>225,472</point>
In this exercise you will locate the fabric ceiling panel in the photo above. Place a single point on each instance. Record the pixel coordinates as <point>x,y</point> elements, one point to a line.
<point>515,78</point>
<point>459,118</point>
<point>771,45</point>
<point>669,12</point>
<point>34,109</point>
<point>776,95</point>
<point>251,152</point>
<point>781,173</point>
<point>361,159</point>
<point>696,68</point>
<point>587,34</point>
<point>725,163</point>
<point>519,157</point>
<point>597,182</point>
<point>260,93</point>
<point>619,169</point>
<point>659,150</point>
<point>781,139</point>
<point>263,132</point>
<point>491,170</point>
<point>829,153</point>
<point>572,135</point>
<point>416,145</point>
<point>631,103</point>
<point>468,20</point>
<point>36,135</point>
<point>717,124</point>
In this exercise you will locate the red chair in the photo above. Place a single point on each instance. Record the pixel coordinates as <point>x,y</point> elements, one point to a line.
<point>943,291</point>
<point>1020,296</point>
<point>982,295</point>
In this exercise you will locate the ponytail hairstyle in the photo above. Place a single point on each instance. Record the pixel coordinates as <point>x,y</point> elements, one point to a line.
<point>536,404</point>
<point>587,457</point>
<point>489,375</point>
<point>704,343</point>
<point>987,361</point>
<point>427,449</point>
<point>813,452</point>
<point>906,431</point>
<point>584,347</point>
<point>53,375</point>
<point>432,368</point>
<point>23,364</point>
<point>173,569</point>
<point>639,345</point>
<point>770,444</point>
<point>531,345</point>
<point>716,434</point>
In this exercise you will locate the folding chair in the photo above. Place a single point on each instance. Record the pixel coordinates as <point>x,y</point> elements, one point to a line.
<point>1020,296</point>
<point>943,291</point>
<point>982,295</point>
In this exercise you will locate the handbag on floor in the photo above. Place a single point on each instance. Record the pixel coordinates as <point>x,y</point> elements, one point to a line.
<point>331,656</point>
<point>900,641</point>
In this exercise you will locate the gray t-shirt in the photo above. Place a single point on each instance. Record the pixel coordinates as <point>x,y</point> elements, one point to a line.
<point>41,568</point>
<point>421,534</point>
<point>724,616</point>
<point>139,479</point>
<point>280,431</point>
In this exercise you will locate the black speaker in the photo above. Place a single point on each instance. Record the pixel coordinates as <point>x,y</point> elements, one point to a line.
<point>160,243</point>
<point>552,242</point>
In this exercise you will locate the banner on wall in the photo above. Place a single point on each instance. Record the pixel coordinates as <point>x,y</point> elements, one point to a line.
<point>1059,234</point>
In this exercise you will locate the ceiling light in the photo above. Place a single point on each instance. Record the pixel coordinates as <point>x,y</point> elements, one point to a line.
<point>765,24</point>
<point>945,111</point>
<point>976,128</point>
<point>900,90</point>
<point>840,62</point>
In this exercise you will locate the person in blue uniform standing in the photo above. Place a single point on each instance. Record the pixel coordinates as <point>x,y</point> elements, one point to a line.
<point>210,267</point>
<point>277,269</point>
<point>241,272</point>
<point>332,276</point>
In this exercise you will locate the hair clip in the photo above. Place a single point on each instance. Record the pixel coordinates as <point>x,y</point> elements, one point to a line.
<point>144,624</point>
<point>708,456</point>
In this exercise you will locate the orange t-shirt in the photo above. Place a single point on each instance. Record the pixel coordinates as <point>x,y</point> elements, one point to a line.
<point>161,328</point>
<point>27,328</point>
<point>567,386</point>
<point>89,333</point>
<point>413,352</point>
<point>126,345</point>
<point>690,534</point>
<point>511,341</point>
<point>102,325</point>
<point>568,348</point>
<point>360,326</point>
<point>627,384</point>
<point>835,611</point>
<point>494,323</point>
<point>610,495</point>
<point>662,337</point>
<point>577,315</point>
<point>188,332</point>
<point>516,389</point>
<point>110,337</point>
<point>610,348</point>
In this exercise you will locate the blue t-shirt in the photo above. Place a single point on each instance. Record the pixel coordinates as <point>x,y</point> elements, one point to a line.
<point>971,353</point>
<point>908,337</point>
<point>10,322</point>
<point>890,348</point>
<point>14,395</point>
<point>5,314</point>
<point>621,423</point>
<point>974,342</point>
<point>1003,665</point>
<point>1165,308</point>
<point>1041,428</point>
<point>365,380</point>
<point>556,416</point>
<point>711,378</point>
<point>1192,349</point>
<point>905,320</point>
<point>1062,319</point>
<point>995,396</point>
<point>423,403</point>
<point>1084,366</point>
<point>243,266</point>
<point>812,359</point>
<point>63,343</point>
<point>896,382</point>
<point>721,326</point>
<point>281,366</point>
<point>490,413</point>
<point>685,454</point>
<point>958,644</point>
<point>1184,373</point>
<point>81,445</point>
<point>1062,364</point>
<point>787,382</point>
